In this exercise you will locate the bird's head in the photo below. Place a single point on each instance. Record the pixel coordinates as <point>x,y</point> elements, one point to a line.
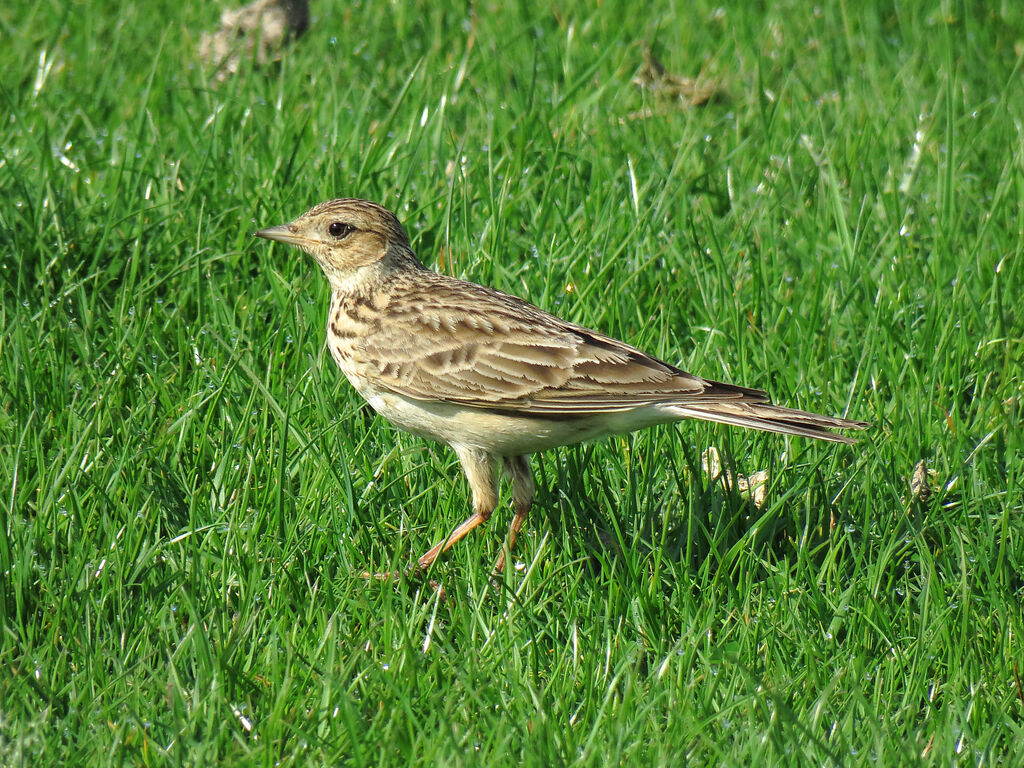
<point>347,236</point>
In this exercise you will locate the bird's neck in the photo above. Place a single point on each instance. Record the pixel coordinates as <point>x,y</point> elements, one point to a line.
<point>372,279</point>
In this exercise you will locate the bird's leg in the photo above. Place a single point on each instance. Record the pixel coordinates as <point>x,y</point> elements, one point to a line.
<point>477,518</point>
<point>522,497</point>
<point>482,472</point>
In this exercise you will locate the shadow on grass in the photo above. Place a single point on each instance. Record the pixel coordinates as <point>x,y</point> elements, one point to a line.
<point>685,518</point>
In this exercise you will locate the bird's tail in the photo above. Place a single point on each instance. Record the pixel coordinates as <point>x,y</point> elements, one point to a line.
<point>772,418</point>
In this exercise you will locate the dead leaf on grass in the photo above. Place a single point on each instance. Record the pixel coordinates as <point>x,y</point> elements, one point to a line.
<point>263,27</point>
<point>671,90</point>
<point>752,487</point>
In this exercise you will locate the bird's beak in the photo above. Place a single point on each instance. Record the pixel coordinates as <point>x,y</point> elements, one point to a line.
<point>283,234</point>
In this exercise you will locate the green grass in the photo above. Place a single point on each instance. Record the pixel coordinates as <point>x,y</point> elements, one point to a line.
<point>190,488</point>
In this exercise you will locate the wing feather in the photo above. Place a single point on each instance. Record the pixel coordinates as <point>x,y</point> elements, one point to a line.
<point>481,348</point>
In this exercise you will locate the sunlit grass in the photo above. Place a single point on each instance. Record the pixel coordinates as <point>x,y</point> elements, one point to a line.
<point>191,489</point>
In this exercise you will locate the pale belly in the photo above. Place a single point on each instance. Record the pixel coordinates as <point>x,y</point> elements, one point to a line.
<point>501,433</point>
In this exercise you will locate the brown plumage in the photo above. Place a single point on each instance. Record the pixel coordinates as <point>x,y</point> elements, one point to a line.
<point>491,375</point>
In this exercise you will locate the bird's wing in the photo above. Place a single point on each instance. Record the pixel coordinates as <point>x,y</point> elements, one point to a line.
<point>463,343</point>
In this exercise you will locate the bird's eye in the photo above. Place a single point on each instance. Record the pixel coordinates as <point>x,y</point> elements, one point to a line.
<point>338,230</point>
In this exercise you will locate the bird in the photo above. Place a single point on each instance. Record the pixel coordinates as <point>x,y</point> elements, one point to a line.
<point>494,377</point>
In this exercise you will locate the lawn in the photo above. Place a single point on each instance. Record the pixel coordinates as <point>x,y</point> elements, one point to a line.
<point>190,488</point>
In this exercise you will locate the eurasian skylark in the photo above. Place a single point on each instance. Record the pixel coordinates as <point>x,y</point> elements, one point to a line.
<point>487,373</point>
